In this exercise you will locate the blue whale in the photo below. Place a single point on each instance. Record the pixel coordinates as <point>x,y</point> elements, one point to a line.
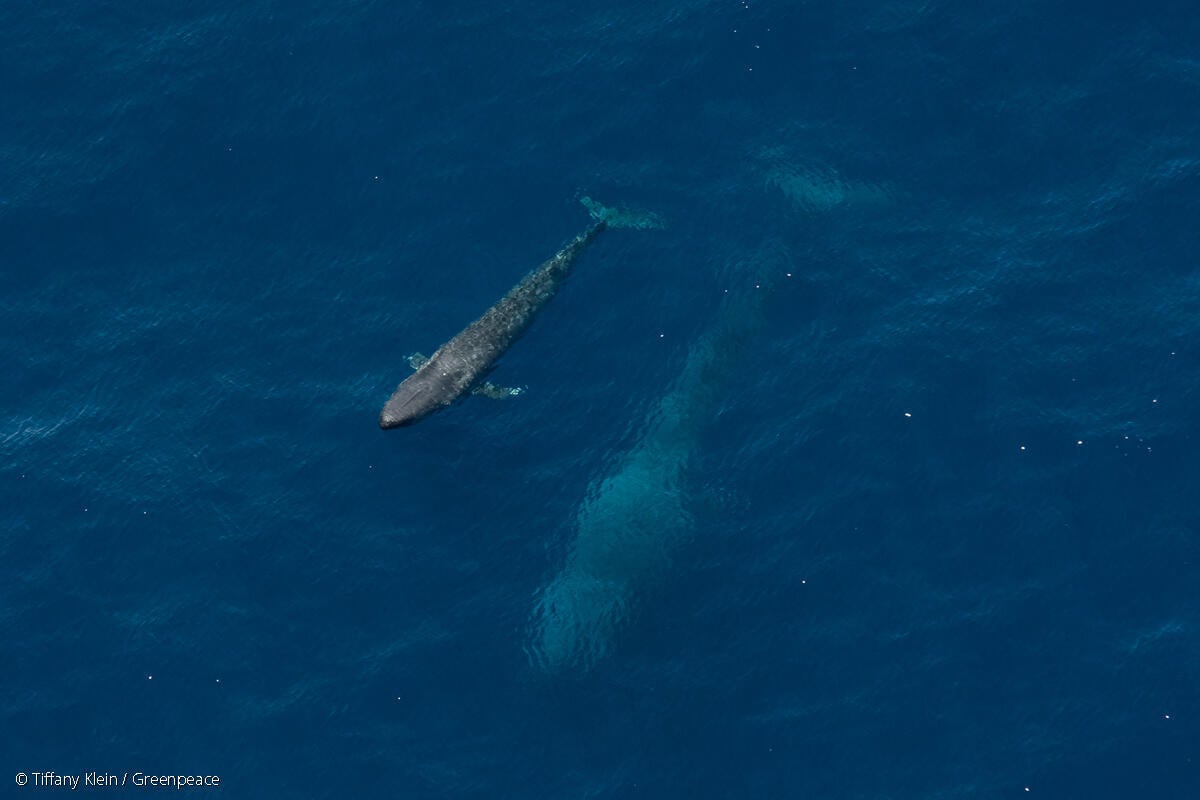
<point>460,365</point>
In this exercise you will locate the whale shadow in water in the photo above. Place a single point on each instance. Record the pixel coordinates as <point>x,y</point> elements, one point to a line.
<point>634,518</point>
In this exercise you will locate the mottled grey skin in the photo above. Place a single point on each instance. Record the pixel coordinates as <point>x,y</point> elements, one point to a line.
<point>460,364</point>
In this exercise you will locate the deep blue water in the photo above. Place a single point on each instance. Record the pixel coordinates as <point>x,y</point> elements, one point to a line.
<point>918,521</point>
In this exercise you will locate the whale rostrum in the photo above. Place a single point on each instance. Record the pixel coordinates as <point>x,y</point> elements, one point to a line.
<point>458,366</point>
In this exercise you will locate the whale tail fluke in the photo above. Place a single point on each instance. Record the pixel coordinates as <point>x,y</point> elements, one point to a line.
<point>623,217</point>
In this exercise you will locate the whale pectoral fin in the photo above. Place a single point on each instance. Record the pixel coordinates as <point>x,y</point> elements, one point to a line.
<point>491,390</point>
<point>418,360</point>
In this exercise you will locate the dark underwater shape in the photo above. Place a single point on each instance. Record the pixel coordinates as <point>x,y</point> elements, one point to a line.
<point>459,365</point>
<point>635,516</point>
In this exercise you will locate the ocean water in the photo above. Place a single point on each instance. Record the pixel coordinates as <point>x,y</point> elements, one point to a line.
<point>871,475</point>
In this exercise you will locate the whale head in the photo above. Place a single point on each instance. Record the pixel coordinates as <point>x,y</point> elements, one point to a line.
<point>422,393</point>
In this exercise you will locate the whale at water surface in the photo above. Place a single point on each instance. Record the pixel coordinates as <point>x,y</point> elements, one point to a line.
<point>459,365</point>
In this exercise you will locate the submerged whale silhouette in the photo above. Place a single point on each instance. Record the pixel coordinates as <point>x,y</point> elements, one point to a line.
<point>634,518</point>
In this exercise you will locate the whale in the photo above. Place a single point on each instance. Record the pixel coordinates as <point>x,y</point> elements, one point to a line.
<point>460,365</point>
<point>634,518</point>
